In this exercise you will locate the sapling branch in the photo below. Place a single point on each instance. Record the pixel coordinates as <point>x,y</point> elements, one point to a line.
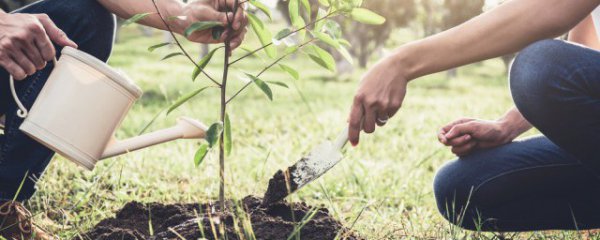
<point>284,36</point>
<point>170,30</point>
<point>268,67</point>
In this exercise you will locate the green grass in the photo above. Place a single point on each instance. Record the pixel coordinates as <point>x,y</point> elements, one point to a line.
<point>387,179</point>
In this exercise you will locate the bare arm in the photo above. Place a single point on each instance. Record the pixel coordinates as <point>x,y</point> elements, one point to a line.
<point>127,8</point>
<point>184,15</point>
<point>585,33</point>
<point>505,29</point>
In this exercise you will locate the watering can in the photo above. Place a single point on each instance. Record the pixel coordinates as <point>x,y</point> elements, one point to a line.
<point>81,106</point>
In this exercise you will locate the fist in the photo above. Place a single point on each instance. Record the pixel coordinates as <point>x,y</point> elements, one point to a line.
<point>26,43</point>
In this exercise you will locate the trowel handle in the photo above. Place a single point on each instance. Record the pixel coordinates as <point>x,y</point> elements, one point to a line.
<point>341,139</point>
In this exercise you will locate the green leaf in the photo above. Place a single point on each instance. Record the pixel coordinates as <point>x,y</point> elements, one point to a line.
<point>322,58</point>
<point>292,72</point>
<point>202,63</point>
<point>298,24</point>
<point>184,99</point>
<point>172,55</point>
<point>217,32</point>
<point>344,42</point>
<point>327,39</point>
<point>227,141</point>
<point>213,134</point>
<point>364,15</point>
<point>136,18</point>
<point>294,10</point>
<point>263,34</point>
<point>281,84</point>
<point>200,154</point>
<point>306,5</point>
<point>262,85</point>
<point>263,8</point>
<point>333,28</point>
<point>319,25</point>
<point>157,46</point>
<point>200,26</point>
<point>346,54</point>
<point>283,34</point>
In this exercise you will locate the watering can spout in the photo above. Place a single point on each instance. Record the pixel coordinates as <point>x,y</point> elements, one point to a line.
<point>186,128</point>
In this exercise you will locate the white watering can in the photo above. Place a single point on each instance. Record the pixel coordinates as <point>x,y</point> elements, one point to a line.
<point>82,104</point>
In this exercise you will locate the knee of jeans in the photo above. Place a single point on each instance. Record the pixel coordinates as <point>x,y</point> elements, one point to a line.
<point>98,26</point>
<point>535,74</point>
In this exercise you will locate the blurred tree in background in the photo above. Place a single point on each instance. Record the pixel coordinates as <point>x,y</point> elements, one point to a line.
<point>367,39</point>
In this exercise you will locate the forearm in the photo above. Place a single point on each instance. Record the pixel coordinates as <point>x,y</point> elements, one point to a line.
<point>505,29</point>
<point>514,124</point>
<point>585,33</point>
<point>128,8</point>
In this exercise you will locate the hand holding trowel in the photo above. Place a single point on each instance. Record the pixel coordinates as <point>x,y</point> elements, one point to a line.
<point>315,164</point>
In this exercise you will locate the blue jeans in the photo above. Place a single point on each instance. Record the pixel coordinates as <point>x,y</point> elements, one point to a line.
<point>545,182</point>
<point>92,27</point>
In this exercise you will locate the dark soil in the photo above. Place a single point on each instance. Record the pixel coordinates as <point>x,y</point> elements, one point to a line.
<point>280,186</point>
<point>277,221</point>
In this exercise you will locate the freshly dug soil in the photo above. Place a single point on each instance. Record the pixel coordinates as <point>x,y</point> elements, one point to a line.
<point>280,186</point>
<point>273,222</point>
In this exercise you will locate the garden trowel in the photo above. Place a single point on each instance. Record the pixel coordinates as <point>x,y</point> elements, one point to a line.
<point>315,164</point>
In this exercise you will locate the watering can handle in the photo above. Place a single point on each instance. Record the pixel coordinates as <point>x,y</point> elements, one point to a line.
<point>22,112</point>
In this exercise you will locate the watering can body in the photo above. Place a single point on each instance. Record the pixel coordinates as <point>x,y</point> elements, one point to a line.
<point>81,106</point>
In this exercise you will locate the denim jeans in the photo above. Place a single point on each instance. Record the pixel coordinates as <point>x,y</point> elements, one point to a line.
<point>92,27</point>
<point>545,182</point>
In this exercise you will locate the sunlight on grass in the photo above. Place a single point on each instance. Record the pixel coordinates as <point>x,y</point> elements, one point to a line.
<point>383,187</point>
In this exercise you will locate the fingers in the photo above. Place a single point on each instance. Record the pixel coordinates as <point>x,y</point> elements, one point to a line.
<point>370,118</point>
<point>54,33</point>
<point>33,54</point>
<point>459,141</point>
<point>356,116</point>
<point>464,149</point>
<point>13,68</point>
<point>23,61</point>
<point>459,121</point>
<point>461,129</point>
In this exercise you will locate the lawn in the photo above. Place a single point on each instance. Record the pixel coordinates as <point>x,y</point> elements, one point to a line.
<point>383,187</point>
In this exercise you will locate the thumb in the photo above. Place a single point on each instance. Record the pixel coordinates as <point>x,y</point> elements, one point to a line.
<point>214,15</point>
<point>460,129</point>
<point>54,33</point>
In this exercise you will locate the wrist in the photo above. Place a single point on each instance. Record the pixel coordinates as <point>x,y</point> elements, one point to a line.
<point>406,60</point>
<point>508,130</point>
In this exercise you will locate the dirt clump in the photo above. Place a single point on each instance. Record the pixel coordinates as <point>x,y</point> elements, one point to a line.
<point>195,221</point>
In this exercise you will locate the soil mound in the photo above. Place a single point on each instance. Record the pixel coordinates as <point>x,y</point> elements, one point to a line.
<point>195,221</point>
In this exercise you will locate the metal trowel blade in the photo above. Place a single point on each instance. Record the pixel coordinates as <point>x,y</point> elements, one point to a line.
<point>320,160</point>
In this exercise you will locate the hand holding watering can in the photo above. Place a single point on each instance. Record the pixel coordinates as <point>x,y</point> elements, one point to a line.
<point>81,106</point>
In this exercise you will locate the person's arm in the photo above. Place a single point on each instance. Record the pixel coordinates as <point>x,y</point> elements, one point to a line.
<point>585,34</point>
<point>26,42</point>
<point>180,15</point>
<point>466,135</point>
<point>505,29</point>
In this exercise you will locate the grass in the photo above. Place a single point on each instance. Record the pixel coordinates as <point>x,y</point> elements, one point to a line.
<point>383,187</point>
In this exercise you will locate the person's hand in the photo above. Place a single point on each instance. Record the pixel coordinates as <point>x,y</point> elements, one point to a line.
<point>219,11</point>
<point>466,135</point>
<point>378,98</point>
<point>26,43</point>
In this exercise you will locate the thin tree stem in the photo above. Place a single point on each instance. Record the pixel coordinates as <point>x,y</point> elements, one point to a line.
<point>267,68</point>
<point>224,107</point>
<point>170,30</point>
<point>287,35</point>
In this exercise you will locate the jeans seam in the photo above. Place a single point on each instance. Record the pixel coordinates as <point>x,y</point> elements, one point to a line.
<point>11,132</point>
<point>518,170</point>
